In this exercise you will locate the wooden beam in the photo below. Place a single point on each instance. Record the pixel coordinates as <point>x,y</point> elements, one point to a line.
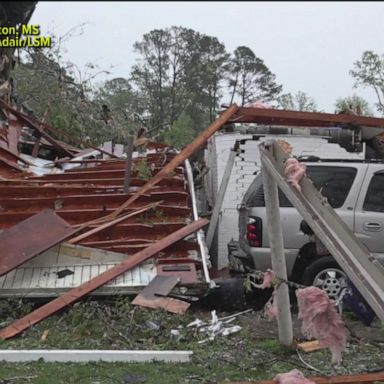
<point>274,229</point>
<point>181,157</point>
<point>296,118</point>
<point>76,293</point>
<point>219,202</point>
<point>348,379</point>
<point>128,168</point>
<point>110,223</point>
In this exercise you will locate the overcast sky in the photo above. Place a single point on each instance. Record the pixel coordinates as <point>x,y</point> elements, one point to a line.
<point>310,46</point>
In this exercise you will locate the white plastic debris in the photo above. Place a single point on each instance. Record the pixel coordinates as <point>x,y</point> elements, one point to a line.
<point>175,333</point>
<point>228,331</point>
<point>196,323</point>
<point>215,328</point>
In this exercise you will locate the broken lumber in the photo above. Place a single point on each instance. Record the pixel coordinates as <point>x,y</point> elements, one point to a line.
<point>39,125</point>
<point>177,160</point>
<point>280,117</point>
<point>111,223</point>
<point>76,293</point>
<point>365,378</point>
<point>154,295</point>
<point>281,297</point>
<point>27,121</point>
<point>310,346</point>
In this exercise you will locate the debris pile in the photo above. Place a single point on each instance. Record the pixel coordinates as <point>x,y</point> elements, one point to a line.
<point>123,238</point>
<point>216,327</point>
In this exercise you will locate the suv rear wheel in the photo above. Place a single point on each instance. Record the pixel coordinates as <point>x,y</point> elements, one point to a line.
<point>326,274</point>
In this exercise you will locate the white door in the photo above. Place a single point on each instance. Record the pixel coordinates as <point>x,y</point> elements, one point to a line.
<point>369,214</point>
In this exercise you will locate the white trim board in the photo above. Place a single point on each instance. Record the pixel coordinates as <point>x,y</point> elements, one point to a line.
<point>82,355</point>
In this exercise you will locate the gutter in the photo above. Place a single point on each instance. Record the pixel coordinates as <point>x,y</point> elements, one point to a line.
<point>200,233</point>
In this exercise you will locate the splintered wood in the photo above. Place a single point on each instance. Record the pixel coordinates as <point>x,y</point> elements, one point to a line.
<point>154,295</point>
<point>310,346</point>
<point>366,378</point>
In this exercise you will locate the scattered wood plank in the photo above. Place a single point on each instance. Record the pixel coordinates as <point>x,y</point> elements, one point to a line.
<point>83,355</point>
<point>154,295</point>
<point>45,334</point>
<point>24,240</point>
<point>76,293</point>
<point>310,346</point>
<point>365,378</point>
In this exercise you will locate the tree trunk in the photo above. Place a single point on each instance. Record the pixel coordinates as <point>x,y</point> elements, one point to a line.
<point>234,88</point>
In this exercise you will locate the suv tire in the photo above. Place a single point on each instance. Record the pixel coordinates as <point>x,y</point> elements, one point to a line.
<point>326,274</point>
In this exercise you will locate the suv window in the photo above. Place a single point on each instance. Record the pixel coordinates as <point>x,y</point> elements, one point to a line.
<point>374,200</point>
<point>333,182</point>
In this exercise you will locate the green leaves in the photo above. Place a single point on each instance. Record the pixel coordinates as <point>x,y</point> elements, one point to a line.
<point>177,67</point>
<point>355,104</point>
<point>298,102</point>
<point>369,72</point>
<point>250,79</point>
<point>174,88</point>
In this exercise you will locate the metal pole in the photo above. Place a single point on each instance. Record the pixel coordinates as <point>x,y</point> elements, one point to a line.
<point>220,198</point>
<point>128,167</point>
<point>284,319</point>
<point>200,233</point>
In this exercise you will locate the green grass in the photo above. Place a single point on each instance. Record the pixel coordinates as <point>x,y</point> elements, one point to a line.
<point>116,324</point>
<point>159,373</point>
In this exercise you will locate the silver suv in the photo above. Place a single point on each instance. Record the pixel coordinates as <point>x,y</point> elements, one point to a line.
<point>355,189</point>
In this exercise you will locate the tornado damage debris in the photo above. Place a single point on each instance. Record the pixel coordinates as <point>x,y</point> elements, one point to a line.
<point>256,239</point>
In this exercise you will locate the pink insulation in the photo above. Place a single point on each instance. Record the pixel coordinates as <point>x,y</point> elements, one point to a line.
<point>258,104</point>
<point>292,377</point>
<point>321,321</point>
<point>268,278</point>
<point>294,172</point>
<point>271,310</point>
